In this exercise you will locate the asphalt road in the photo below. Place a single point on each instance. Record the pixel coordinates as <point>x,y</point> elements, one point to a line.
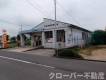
<point>21,66</point>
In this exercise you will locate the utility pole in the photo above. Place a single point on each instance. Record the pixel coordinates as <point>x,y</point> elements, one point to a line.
<point>55,12</point>
<point>55,16</point>
<point>22,42</point>
<point>21,28</point>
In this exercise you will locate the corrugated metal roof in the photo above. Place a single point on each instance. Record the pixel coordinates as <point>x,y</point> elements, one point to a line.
<point>38,30</point>
<point>76,27</point>
<point>29,31</point>
<point>72,25</point>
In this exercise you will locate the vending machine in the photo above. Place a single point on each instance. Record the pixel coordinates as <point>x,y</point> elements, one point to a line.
<point>5,42</point>
<point>5,39</point>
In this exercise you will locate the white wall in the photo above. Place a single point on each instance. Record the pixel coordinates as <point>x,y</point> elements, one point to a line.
<point>60,26</point>
<point>69,34</point>
<point>74,38</point>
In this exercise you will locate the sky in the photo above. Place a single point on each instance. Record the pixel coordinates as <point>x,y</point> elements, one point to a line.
<point>88,14</point>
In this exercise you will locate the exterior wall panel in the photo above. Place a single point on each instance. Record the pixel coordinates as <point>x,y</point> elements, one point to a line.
<point>73,36</point>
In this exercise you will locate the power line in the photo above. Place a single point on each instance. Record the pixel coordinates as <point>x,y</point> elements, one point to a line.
<point>43,8</point>
<point>20,25</point>
<point>37,5</point>
<point>68,13</point>
<point>35,8</point>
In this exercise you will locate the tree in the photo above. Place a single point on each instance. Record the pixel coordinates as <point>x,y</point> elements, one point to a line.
<point>13,39</point>
<point>98,37</point>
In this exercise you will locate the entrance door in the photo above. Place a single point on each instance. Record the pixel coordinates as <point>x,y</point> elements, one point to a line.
<point>60,36</point>
<point>37,40</point>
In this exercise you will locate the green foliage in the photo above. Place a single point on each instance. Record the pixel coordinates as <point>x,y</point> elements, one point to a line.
<point>98,37</point>
<point>13,39</point>
<point>12,45</point>
<point>69,53</point>
<point>28,42</point>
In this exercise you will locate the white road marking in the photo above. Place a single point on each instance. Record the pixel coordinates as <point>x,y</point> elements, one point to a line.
<point>26,62</point>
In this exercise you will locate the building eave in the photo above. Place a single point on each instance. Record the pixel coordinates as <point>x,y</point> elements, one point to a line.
<point>71,25</point>
<point>76,27</point>
<point>29,31</point>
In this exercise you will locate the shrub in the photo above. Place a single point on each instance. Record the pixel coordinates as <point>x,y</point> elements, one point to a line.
<point>28,42</point>
<point>12,45</point>
<point>68,53</point>
<point>98,37</point>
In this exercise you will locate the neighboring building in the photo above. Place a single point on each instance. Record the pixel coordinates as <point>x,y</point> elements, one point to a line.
<point>63,35</point>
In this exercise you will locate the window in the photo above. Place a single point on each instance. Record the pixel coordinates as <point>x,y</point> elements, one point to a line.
<point>60,36</point>
<point>49,36</point>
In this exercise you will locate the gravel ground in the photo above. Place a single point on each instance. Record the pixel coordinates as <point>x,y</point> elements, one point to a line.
<point>96,54</point>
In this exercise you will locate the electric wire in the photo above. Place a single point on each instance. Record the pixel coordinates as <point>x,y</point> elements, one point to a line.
<point>68,14</point>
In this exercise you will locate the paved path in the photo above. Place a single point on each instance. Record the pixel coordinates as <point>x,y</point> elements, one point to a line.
<point>18,49</point>
<point>30,50</point>
<point>15,66</point>
<point>42,52</point>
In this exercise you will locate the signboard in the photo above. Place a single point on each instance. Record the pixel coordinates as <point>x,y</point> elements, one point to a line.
<point>50,25</point>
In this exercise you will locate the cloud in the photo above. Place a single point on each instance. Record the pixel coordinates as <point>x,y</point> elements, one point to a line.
<point>4,3</point>
<point>90,14</point>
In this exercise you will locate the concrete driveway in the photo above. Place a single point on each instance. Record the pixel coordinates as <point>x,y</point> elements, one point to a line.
<point>17,49</point>
<point>30,50</point>
<point>42,52</point>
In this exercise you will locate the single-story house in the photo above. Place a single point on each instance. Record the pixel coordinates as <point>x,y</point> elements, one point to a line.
<point>56,34</point>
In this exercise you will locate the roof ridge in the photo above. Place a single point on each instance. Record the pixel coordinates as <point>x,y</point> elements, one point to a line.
<point>69,24</point>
